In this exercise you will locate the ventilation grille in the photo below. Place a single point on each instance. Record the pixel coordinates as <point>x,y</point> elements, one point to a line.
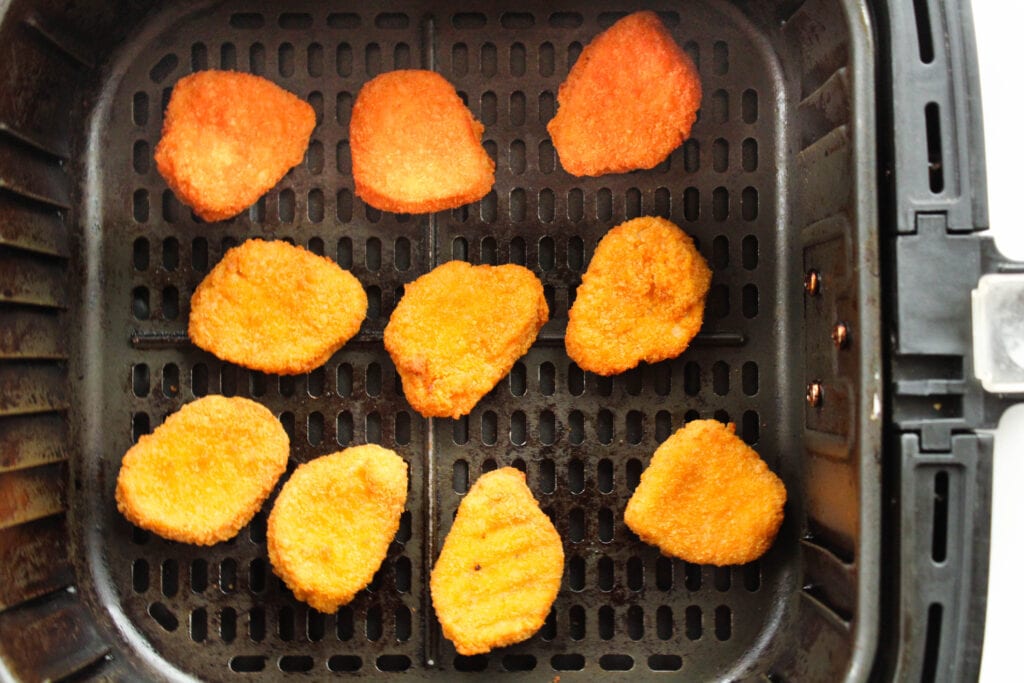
<point>582,440</point>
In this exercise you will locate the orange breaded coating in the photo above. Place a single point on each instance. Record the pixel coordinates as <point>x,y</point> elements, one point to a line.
<point>641,299</point>
<point>707,497</point>
<point>500,568</point>
<point>459,329</point>
<point>629,100</point>
<point>415,146</point>
<point>202,474</point>
<point>277,308</point>
<point>228,137</point>
<point>332,524</point>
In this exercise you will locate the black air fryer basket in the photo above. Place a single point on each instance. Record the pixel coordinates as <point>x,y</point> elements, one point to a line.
<point>834,182</point>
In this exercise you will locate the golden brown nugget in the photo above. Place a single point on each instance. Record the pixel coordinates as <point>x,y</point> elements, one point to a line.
<point>228,137</point>
<point>707,497</point>
<point>415,146</point>
<point>641,299</point>
<point>629,100</point>
<point>203,474</point>
<point>500,567</point>
<point>332,524</point>
<point>459,329</point>
<point>277,308</point>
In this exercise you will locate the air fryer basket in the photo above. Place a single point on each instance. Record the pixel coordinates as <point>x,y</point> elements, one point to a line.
<point>778,186</point>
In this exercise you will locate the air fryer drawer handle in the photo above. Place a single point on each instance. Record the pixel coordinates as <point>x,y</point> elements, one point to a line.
<point>997,308</point>
<point>939,459</point>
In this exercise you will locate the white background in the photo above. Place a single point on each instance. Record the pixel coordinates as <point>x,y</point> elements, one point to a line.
<point>999,28</point>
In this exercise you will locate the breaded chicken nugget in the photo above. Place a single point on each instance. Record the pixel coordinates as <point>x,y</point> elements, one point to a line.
<point>641,299</point>
<point>228,137</point>
<point>415,146</point>
<point>500,567</point>
<point>332,524</point>
<point>277,308</point>
<point>707,498</point>
<point>629,100</point>
<point>202,474</point>
<point>459,329</point>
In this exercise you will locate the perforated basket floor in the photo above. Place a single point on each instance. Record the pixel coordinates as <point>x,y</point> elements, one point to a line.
<point>218,613</point>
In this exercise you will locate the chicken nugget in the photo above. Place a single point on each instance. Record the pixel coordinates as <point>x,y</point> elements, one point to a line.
<point>641,299</point>
<point>277,308</point>
<point>333,521</point>
<point>630,99</point>
<point>458,330</point>
<point>415,146</point>
<point>202,474</point>
<point>228,137</point>
<point>707,497</point>
<point>500,567</point>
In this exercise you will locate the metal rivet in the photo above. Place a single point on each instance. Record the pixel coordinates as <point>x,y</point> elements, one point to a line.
<point>840,335</point>
<point>815,394</point>
<point>812,282</point>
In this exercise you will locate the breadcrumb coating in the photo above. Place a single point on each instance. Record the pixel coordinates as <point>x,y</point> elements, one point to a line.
<point>707,497</point>
<point>203,474</point>
<point>630,99</point>
<point>641,298</point>
<point>275,307</point>
<point>500,568</point>
<point>459,329</point>
<point>333,521</point>
<point>415,146</point>
<point>227,138</point>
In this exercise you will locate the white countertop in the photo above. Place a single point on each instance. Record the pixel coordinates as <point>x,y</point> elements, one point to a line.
<point>998,28</point>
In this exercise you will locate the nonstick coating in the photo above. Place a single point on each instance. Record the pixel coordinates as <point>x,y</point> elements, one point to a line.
<point>582,440</point>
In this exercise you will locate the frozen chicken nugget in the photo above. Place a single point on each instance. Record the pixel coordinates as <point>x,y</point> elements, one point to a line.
<point>629,100</point>
<point>277,308</point>
<point>228,137</point>
<point>332,524</point>
<point>202,474</point>
<point>415,146</point>
<point>459,329</point>
<point>707,498</point>
<point>641,299</point>
<point>500,567</point>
